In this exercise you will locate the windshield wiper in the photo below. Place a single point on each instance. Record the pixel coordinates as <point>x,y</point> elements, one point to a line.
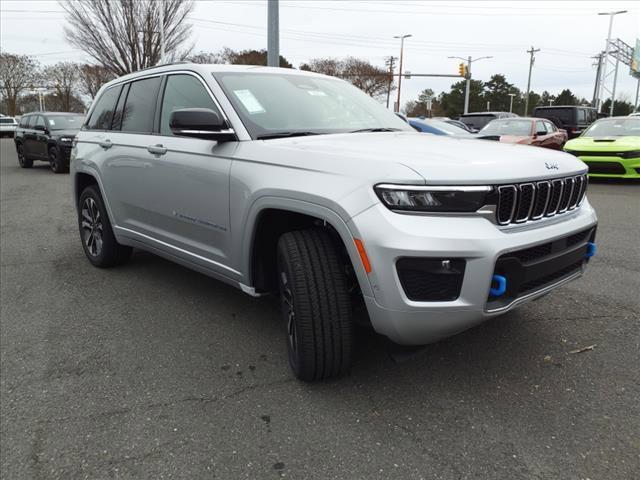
<point>379,129</point>
<point>267,136</point>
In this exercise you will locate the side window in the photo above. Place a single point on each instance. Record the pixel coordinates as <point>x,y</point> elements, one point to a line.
<point>183,91</point>
<point>540,127</point>
<point>103,111</point>
<point>550,127</point>
<point>24,121</point>
<point>582,117</point>
<point>40,122</point>
<point>31,121</point>
<point>140,105</point>
<point>116,124</point>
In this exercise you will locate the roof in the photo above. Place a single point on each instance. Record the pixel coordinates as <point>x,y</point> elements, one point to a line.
<point>563,106</point>
<point>53,113</point>
<point>207,68</point>
<point>487,113</point>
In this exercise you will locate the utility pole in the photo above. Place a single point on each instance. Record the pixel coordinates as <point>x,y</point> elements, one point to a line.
<point>401,37</point>
<point>469,61</point>
<point>606,56</point>
<point>615,80</point>
<point>511,102</point>
<point>273,34</point>
<point>531,60</point>
<point>596,88</point>
<point>161,28</point>
<point>391,63</point>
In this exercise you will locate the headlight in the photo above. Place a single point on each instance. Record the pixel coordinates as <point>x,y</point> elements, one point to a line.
<point>631,154</point>
<point>434,198</point>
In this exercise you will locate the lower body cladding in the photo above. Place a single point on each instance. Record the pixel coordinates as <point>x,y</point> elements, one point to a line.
<point>437,275</point>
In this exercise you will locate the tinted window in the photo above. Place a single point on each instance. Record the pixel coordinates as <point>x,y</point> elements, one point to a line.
<point>103,111</point>
<point>31,121</point>
<point>183,91</point>
<point>40,121</point>
<point>8,120</point>
<point>582,116</point>
<point>477,121</point>
<point>140,106</point>
<point>24,121</point>
<point>116,124</point>
<point>564,115</point>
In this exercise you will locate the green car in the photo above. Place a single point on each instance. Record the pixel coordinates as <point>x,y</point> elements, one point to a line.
<point>610,147</point>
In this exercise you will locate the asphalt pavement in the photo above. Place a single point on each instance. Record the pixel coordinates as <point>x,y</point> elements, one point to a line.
<point>153,371</point>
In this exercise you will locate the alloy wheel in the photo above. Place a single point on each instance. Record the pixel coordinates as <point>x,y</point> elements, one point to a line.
<point>92,228</point>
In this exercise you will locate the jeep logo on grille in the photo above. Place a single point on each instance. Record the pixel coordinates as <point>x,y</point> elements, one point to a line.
<point>551,166</point>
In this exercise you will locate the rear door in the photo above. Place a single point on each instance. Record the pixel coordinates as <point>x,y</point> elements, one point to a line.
<point>41,137</point>
<point>30,147</point>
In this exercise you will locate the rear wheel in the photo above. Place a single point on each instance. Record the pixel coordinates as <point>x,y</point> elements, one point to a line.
<point>22,157</point>
<point>57,163</point>
<point>98,241</point>
<point>315,305</point>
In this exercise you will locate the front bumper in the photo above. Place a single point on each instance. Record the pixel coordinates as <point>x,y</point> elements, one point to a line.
<point>389,237</point>
<point>612,167</point>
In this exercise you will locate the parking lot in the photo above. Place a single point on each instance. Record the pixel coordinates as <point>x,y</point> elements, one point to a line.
<point>151,370</point>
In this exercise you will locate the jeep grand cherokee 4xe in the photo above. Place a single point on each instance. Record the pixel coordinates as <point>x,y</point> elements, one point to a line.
<point>276,180</point>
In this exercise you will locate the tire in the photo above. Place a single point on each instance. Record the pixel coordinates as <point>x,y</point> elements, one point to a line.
<point>57,163</point>
<point>22,157</point>
<point>315,305</point>
<point>99,243</point>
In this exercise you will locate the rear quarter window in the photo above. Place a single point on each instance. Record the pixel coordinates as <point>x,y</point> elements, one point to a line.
<point>103,112</point>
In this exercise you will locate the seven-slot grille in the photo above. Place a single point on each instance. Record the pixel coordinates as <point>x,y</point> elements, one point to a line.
<point>535,200</point>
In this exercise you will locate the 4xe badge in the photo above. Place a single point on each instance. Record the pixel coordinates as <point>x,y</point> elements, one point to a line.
<point>551,166</point>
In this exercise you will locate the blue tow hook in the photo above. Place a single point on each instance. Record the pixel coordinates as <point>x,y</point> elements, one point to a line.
<point>591,250</point>
<point>501,288</point>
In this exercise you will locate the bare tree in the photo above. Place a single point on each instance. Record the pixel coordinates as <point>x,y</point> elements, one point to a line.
<point>92,77</point>
<point>233,57</point>
<point>124,35</point>
<point>17,74</point>
<point>364,75</point>
<point>64,79</point>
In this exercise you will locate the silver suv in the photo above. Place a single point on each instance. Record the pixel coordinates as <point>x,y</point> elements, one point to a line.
<point>276,180</point>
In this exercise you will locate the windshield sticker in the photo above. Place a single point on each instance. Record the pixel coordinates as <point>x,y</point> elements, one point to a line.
<point>249,101</point>
<point>51,122</point>
<point>316,93</point>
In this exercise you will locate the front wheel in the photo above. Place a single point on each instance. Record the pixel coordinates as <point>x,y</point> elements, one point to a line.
<point>315,305</point>
<point>98,241</point>
<point>57,163</point>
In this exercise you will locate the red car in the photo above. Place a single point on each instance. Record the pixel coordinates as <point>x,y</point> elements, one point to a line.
<point>526,131</point>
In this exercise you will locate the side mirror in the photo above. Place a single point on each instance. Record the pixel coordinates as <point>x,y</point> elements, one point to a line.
<point>199,123</point>
<point>541,133</point>
<point>40,128</point>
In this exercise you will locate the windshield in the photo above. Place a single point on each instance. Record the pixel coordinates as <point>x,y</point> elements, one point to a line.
<point>508,127</point>
<point>7,120</point>
<point>614,127</point>
<point>273,103</point>
<point>65,122</point>
<point>476,121</point>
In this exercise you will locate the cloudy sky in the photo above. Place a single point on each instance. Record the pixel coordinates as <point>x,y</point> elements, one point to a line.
<point>568,34</point>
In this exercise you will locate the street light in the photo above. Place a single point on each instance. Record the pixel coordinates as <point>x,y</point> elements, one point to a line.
<point>511,102</point>
<point>401,37</point>
<point>606,58</point>
<point>469,61</point>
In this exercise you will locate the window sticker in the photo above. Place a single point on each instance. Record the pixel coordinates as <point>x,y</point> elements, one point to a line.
<point>51,122</point>
<point>316,93</point>
<point>249,101</point>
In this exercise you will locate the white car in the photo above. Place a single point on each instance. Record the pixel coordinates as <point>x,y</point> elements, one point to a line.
<point>7,126</point>
<point>275,180</point>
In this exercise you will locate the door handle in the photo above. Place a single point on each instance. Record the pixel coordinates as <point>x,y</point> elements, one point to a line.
<point>157,149</point>
<point>106,144</point>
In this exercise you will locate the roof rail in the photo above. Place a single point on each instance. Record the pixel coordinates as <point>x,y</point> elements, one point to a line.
<point>181,62</point>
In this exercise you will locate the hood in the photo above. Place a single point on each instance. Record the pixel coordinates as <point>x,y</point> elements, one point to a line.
<point>64,133</point>
<point>603,144</point>
<point>438,159</point>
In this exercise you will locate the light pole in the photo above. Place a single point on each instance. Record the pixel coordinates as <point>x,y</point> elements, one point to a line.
<point>273,34</point>
<point>469,61</point>
<point>511,102</point>
<point>606,55</point>
<point>401,37</point>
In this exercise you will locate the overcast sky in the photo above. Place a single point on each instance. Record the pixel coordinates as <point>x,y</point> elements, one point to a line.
<point>568,34</point>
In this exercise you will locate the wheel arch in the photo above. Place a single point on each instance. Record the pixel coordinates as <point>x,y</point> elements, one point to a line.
<point>271,217</point>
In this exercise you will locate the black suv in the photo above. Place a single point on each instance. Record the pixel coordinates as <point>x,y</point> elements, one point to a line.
<point>574,119</point>
<point>47,136</point>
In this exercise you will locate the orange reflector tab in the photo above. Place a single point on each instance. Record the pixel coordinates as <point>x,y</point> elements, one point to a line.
<point>363,255</point>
